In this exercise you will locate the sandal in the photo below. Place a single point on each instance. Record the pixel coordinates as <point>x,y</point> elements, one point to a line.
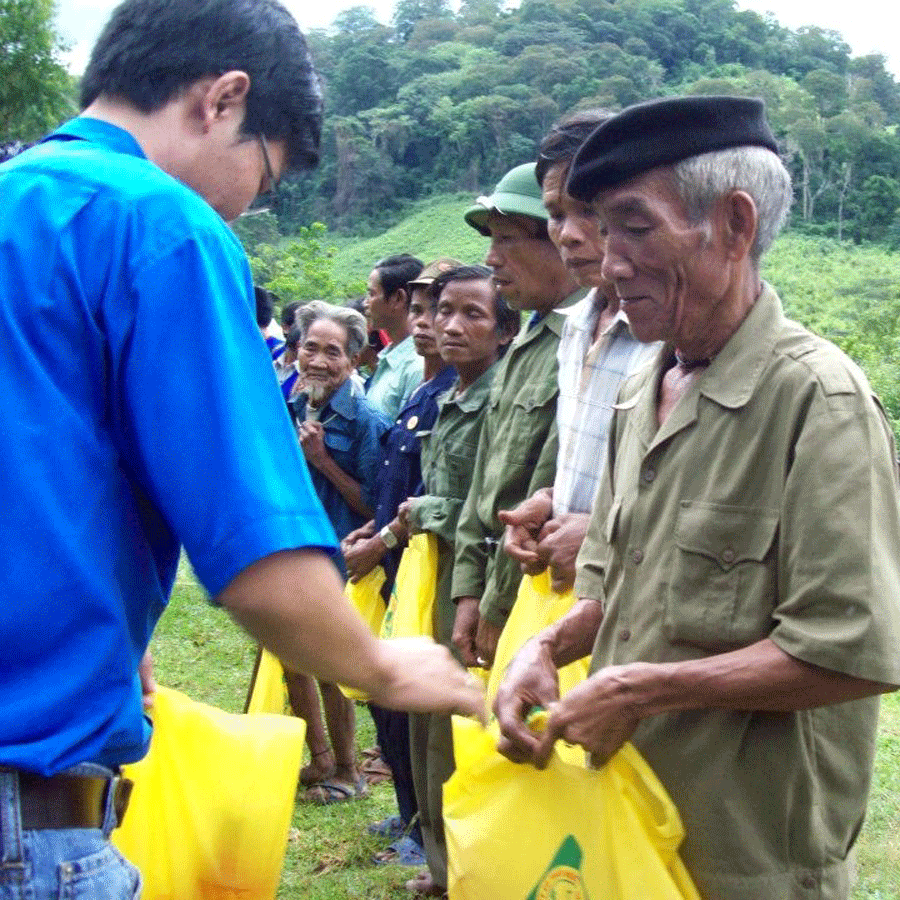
<point>330,791</point>
<point>375,770</point>
<point>403,852</point>
<point>391,827</point>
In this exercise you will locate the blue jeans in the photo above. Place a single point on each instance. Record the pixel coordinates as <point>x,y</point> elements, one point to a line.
<point>75,864</point>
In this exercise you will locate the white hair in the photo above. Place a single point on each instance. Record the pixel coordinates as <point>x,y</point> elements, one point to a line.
<point>351,321</point>
<point>701,180</point>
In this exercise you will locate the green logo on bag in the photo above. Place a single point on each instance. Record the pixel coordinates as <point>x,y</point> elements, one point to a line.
<point>562,880</point>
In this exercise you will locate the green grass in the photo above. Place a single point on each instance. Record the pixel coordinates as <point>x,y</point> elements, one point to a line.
<point>199,650</point>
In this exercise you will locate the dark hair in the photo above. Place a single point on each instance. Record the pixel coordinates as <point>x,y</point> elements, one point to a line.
<point>152,49</point>
<point>292,338</point>
<point>264,306</point>
<point>289,313</point>
<point>508,319</point>
<point>395,272</point>
<point>565,137</point>
<point>357,303</point>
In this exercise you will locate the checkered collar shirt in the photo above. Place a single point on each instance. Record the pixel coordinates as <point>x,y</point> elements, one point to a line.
<point>590,373</point>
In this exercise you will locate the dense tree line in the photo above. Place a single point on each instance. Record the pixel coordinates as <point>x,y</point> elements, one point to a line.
<point>441,101</point>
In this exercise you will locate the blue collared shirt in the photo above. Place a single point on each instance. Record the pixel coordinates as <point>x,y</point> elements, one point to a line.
<point>352,434</point>
<point>141,412</point>
<point>397,374</point>
<point>401,470</point>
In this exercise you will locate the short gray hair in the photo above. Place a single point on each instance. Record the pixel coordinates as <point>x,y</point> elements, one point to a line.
<point>701,180</point>
<point>351,321</point>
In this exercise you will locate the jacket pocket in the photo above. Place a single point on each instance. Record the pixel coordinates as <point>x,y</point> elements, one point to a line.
<point>722,591</point>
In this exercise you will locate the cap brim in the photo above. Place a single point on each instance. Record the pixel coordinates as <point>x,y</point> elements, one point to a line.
<point>505,204</point>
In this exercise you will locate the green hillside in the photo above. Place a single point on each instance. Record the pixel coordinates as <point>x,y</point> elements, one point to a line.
<point>434,228</point>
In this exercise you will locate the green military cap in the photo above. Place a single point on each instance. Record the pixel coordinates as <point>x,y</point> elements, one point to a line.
<point>517,193</point>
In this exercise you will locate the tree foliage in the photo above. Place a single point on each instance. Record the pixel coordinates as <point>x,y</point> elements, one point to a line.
<point>35,89</point>
<point>441,101</point>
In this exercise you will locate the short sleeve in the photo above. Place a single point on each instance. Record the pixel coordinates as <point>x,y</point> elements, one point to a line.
<point>201,416</point>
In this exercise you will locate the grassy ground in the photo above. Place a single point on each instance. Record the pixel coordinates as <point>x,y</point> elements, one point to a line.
<point>199,651</point>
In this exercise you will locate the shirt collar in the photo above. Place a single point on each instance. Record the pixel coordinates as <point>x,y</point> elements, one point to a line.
<point>554,319</point>
<point>584,314</point>
<point>476,396</point>
<point>98,132</point>
<point>733,375</point>
<point>343,402</point>
<point>396,354</point>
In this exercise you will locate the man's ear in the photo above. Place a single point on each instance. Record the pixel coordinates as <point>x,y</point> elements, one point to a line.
<point>225,96</point>
<point>739,223</point>
<point>401,296</point>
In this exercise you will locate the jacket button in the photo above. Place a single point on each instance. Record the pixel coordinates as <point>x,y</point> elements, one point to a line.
<point>649,475</point>
<point>625,634</point>
<point>808,882</point>
<point>637,557</point>
<point>728,555</point>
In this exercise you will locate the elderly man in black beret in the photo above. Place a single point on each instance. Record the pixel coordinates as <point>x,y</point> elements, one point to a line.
<point>739,582</point>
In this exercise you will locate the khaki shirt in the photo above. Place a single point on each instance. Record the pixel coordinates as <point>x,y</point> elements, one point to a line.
<point>766,506</point>
<point>516,456</point>
<point>448,460</point>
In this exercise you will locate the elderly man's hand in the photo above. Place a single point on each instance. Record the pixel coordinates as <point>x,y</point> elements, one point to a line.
<point>465,627</point>
<point>530,681</point>
<point>559,542</point>
<point>597,714</point>
<point>486,639</point>
<point>523,525</point>
<point>312,440</point>
<point>358,534</point>
<point>362,556</point>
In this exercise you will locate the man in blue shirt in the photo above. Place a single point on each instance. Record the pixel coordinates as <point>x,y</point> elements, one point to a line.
<point>125,440</point>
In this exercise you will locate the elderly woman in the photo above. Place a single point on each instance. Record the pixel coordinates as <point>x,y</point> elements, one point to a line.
<point>340,433</point>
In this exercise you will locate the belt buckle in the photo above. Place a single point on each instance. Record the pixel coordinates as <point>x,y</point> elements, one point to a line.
<point>120,789</point>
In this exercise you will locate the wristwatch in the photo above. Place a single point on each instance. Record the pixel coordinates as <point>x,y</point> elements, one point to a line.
<point>389,538</point>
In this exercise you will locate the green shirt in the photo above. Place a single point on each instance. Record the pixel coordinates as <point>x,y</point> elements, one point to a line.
<point>516,456</point>
<point>397,374</point>
<point>765,506</point>
<point>448,458</point>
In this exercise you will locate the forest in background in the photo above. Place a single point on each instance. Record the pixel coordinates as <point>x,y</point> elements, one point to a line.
<point>442,101</point>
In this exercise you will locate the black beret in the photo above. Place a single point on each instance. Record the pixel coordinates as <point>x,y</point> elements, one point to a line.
<point>662,133</point>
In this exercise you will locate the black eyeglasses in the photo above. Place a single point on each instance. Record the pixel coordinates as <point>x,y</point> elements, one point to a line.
<point>268,197</point>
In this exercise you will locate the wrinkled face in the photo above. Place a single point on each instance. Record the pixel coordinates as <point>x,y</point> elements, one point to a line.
<point>670,272</point>
<point>572,226</point>
<point>323,360</point>
<point>376,304</point>
<point>421,323</point>
<point>465,323</point>
<point>525,266</point>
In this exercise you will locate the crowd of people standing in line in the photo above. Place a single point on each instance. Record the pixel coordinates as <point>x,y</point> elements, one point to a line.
<point>724,504</point>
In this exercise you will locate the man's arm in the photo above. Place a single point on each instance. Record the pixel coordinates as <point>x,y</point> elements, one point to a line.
<point>313,444</point>
<point>602,712</point>
<point>292,602</point>
<point>531,679</point>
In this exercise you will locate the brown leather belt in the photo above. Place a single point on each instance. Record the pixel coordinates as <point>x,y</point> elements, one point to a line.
<point>70,801</point>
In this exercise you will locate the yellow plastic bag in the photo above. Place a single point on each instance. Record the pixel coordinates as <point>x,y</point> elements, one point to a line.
<point>567,831</point>
<point>537,606</point>
<point>212,802</point>
<point>268,692</point>
<point>411,608</point>
<point>365,596</point>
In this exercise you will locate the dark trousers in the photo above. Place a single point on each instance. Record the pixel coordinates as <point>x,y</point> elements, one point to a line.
<point>392,729</point>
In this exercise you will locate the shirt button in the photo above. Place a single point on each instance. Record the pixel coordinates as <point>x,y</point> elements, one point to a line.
<point>728,555</point>
<point>386,463</point>
<point>637,557</point>
<point>625,634</point>
<point>808,882</point>
<point>649,474</point>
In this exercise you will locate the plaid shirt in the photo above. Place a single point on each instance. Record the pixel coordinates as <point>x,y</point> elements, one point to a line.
<point>590,374</point>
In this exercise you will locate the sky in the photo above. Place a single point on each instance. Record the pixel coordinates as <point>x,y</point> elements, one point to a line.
<point>861,22</point>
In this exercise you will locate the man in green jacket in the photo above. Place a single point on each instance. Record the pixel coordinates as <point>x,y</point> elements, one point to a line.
<point>518,443</point>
